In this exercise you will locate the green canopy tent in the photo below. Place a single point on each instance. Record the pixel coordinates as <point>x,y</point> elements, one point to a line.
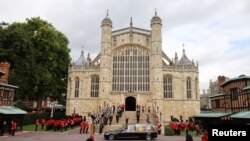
<point>213,118</point>
<point>242,117</point>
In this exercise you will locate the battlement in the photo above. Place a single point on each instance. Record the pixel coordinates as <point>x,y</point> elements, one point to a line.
<point>129,29</point>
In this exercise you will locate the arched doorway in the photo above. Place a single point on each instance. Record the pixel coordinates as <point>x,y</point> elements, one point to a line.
<point>130,103</point>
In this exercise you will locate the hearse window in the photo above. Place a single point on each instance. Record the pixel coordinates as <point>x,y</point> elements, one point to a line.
<point>140,128</point>
<point>131,128</point>
<point>148,127</point>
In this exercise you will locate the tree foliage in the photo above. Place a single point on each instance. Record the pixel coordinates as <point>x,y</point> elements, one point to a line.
<point>39,58</point>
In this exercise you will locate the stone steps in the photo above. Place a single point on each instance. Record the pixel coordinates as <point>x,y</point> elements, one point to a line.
<point>122,121</point>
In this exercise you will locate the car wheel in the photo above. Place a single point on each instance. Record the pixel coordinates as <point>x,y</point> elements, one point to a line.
<point>148,137</point>
<point>111,137</point>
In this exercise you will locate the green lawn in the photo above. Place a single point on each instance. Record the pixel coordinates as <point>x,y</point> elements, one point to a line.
<point>193,134</point>
<point>31,127</point>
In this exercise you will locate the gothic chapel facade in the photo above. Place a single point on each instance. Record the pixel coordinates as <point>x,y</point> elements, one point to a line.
<point>132,69</point>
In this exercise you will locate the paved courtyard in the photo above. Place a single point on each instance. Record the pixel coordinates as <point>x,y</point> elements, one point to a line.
<point>73,136</point>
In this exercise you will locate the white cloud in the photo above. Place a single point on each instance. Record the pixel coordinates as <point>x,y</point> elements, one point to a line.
<point>215,33</point>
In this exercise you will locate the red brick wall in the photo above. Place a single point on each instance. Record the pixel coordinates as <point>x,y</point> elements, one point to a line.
<point>5,67</point>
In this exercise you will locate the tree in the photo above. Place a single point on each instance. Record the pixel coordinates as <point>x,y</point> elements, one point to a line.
<point>39,57</point>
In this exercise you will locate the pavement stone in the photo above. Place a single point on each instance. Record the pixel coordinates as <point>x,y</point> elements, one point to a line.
<point>73,136</point>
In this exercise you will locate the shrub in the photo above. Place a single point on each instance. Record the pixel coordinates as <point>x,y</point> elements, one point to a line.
<point>30,118</point>
<point>174,119</point>
<point>168,131</point>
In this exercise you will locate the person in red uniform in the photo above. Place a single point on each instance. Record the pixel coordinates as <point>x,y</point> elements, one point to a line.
<point>205,136</point>
<point>198,129</point>
<point>127,118</point>
<point>175,126</point>
<point>186,127</point>
<point>178,129</point>
<point>159,128</point>
<point>43,123</point>
<point>55,125</point>
<point>37,124</point>
<point>13,128</point>
<point>86,127</point>
<point>61,125</point>
<point>71,123</point>
<point>192,126</point>
<point>65,125</point>
<point>81,128</point>
<point>123,107</point>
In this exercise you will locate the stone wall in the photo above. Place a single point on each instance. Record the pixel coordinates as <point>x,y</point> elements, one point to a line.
<point>177,108</point>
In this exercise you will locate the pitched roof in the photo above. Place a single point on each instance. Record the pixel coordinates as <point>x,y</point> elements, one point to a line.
<point>81,60</point>
<point>185,60</point>
<point>8,85</point>
<point>11,110</point>
<point>235,79</point>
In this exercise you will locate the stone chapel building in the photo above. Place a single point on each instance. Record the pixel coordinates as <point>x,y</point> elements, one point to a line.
<point>132,69</point>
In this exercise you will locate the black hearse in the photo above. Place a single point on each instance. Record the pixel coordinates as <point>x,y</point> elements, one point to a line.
<point>133,131</point>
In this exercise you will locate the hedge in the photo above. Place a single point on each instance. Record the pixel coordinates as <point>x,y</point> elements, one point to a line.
<point>174,119</point>
<point>31,118</point>
<point>168,131</point>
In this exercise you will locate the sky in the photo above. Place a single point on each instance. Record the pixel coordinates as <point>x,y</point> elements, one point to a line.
<point>216,33</point>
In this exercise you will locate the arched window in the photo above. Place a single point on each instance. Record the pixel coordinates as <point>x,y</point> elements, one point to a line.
<point>94,86</point>
<point>196,87</point>
<point>69,87</point>
<point>167,86</point>
<point>77,84</point>
<point>189,87</point>
<point>131,70</point>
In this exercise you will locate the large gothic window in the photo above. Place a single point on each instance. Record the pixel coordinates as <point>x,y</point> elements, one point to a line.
<point>196,87</point>
<point>167,86</point>
<point>94,86</point>
<point>69,87</point>
<point>131,70</point>
<point>189,87</point>
<point>77,84</point>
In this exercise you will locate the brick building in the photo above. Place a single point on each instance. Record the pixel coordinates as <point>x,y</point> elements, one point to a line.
<point>234,95</point>
<point>7,91</point>
<point>231,105</point>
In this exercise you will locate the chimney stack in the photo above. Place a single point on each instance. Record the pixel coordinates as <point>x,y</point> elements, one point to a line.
<point>5,67</point>
<point>221,79</point>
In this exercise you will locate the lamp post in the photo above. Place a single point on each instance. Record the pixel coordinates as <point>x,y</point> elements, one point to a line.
<point>52,109</point>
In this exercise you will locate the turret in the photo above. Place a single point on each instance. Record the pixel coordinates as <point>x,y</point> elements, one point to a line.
<point>80,62</point>
<point>156,25</point>
<point>105,66</point>
<point>156,58</point>
<point>106,30</point>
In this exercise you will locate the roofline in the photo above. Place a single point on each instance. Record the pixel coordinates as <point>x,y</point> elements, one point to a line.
<point>246,88</point>
<point>206,115</point>
<point>234,79</point>
<point>217,95</point>
<point>8,85</point>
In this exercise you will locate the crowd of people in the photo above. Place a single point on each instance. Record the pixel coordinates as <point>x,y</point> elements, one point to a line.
<point>102,118</point>
<point>9,128</point>
<point>177,127</point>
<point>60,124</point>
<point>105,116</point>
